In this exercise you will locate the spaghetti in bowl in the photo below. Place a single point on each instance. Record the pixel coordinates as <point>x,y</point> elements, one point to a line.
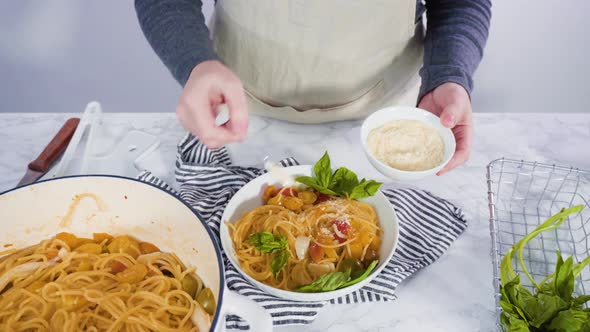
<point>315,241</point>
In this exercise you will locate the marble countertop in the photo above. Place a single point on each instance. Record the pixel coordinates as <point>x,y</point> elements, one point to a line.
<point>455,293</point>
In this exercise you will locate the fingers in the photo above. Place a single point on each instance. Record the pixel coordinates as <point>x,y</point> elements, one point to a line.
<point>459,158</point>
<point>238,112</point>
<point>209,133</point>
<point>464,137</point>
<point>450,115</point>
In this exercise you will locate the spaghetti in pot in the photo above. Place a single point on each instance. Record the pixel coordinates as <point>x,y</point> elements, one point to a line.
<point>102,284</point>
<point>322,232</point>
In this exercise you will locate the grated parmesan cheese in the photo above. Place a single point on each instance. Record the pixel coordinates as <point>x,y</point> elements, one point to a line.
<point>325,231</point>
<point>407,145</point>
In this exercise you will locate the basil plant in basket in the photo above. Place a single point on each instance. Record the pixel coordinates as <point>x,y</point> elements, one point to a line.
<point>551,306</point>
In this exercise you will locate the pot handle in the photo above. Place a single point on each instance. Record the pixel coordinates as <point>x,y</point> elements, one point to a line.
<point>252,312</point>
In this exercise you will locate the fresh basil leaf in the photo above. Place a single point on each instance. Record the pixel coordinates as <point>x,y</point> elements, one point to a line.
<point>363,276</point>
<point>343,181</point>
<point>571,320</point>
<point>505,317</point>
<point>508,281</point>
<point>327,192</point>
<point>258,239</point>
<point>513,293</point>
<point>508,298</point>
<point>365,189</point>
<point>325,283</point>
<point>507,307</point>
<point>558,265</point>
<point>278,245</point>
<point>512,310</point>
<point>323,170</point>
<point>541,308</point>
<point>547,285</point>
<point>266,237</point>
<point>278,262</point>
<point>515,324</point>
<point>580,266</point>
<point>355,274</point>
<point>312,182</point>
<point>564,279</point>
<point>546,288</point>
<point>308,181</point>
<point>255,240</point>
<point>580,300</point>
<point>271,247</point>
<point>283,241</point>
<point>266,242</point>
<point>372,186</point>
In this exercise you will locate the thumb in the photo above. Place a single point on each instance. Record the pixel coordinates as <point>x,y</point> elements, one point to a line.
<point>450,115</point>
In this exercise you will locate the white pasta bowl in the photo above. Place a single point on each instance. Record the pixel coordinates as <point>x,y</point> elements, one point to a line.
<point>249,197</point>
<point>388,114</point>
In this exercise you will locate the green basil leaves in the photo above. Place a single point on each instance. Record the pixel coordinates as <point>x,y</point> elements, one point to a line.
<point>342,182</point>
<point>552,306</point>
<point>268,243</point>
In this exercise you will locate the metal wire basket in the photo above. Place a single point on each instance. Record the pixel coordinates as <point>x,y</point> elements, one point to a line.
<point>522,195</point>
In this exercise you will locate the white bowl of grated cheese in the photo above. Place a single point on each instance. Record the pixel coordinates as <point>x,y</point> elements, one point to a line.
<point>406,143</point>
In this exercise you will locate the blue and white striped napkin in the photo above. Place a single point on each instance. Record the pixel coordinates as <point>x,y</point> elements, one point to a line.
<point>428,226</point>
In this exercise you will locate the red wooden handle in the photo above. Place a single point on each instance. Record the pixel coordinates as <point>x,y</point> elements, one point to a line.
<point>55,148</point>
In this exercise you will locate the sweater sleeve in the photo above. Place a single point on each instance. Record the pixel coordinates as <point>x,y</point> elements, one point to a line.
<point>176,31</point>
<point>457,31</point>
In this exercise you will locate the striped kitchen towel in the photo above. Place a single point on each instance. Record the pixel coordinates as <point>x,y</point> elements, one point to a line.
<point>428,226</point>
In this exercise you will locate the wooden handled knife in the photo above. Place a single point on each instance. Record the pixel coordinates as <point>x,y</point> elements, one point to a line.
<point>38,167</point>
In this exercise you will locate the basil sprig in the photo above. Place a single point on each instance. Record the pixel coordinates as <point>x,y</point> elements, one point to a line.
<point>277,245</point>
<point>342,182</point>
<point>336,280</point>
<point>552,306</point>
<point>326,282</point>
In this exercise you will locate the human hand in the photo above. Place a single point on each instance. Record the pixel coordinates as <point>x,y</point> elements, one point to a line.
<point>451,103</point>
<point>209,85</point>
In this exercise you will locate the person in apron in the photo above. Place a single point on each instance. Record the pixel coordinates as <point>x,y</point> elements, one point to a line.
<point>315,61</point>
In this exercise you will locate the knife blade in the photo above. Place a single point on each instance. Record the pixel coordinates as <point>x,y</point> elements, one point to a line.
<point>38,167</point>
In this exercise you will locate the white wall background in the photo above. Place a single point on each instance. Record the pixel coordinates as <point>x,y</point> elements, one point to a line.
<point>55,56</point>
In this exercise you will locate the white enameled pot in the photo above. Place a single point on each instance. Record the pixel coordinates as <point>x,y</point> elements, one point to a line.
<point>119,205</point>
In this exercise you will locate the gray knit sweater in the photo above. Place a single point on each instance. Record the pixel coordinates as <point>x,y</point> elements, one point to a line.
<point>457,31</point>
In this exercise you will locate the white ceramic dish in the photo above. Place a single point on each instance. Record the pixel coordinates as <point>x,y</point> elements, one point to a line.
<point>385,115</point>
<point>34,212</point>
<point>249,197</point>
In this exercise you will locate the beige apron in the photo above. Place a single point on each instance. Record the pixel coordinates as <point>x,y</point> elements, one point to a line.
<point>313,61</point>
